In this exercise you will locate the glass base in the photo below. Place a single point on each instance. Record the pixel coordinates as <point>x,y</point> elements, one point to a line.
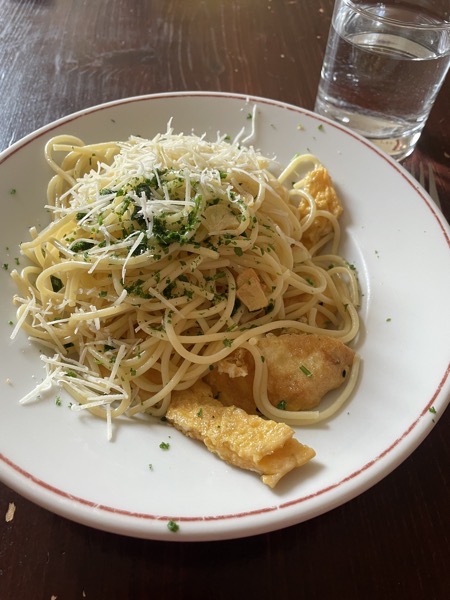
<point>398,148</point>
<point>397,140</point>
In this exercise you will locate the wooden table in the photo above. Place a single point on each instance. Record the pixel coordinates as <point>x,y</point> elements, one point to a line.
<point>59,56</point>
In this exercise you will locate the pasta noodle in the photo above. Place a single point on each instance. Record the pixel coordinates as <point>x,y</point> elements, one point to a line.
<point>134,285</point>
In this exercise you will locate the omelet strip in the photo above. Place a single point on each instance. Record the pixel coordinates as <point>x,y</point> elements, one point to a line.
<point>242,440</point>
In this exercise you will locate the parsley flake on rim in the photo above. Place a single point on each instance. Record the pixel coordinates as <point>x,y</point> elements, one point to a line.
<point>173,526</point>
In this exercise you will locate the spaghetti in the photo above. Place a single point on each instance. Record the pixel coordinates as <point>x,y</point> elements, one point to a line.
<point>134,285</point>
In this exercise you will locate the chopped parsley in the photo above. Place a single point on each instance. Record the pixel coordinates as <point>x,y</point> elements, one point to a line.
<point>135,289</point>
<point>305,371</point>
<point>173,526</point>
<point>164,445</point>
<point>81,246</point>
<point>281,405</point>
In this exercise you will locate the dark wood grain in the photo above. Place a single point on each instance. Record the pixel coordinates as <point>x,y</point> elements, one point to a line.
<point>59,56</point>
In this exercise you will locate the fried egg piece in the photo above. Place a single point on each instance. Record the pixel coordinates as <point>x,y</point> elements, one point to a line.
<point>302,368</point>
<point>245,441</point>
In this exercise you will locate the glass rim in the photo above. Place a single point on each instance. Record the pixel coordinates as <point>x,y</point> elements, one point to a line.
<point>443,25</point>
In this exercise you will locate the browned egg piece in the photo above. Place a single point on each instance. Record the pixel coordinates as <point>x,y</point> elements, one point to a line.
<point>302,368</point>
<point>246,441</point>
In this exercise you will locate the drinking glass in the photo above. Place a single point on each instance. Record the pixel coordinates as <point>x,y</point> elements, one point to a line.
<point>384,65</point>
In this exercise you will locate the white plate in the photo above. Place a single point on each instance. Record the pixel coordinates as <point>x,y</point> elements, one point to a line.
<point>399,243</point>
